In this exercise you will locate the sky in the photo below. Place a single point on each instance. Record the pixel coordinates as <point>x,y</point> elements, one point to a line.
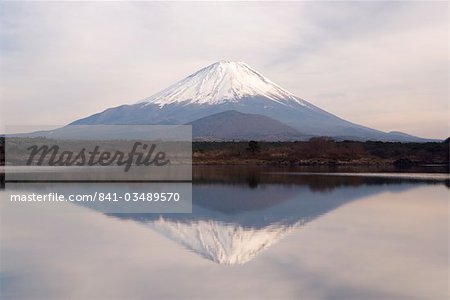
<point>384,65</point>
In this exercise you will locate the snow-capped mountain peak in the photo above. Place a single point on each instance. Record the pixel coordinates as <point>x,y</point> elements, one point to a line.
<point>223,81</point>
<point>234,86</point>
<point>220,242</point>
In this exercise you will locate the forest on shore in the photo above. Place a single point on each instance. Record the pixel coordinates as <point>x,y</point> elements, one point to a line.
<point>322,151</point>
<point>316,151</point>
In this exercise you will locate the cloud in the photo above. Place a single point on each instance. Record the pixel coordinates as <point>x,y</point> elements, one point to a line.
<point>63,61</point>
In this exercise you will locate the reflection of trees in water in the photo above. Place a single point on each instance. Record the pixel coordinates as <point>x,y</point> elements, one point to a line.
<point>255,176</point>
<point>329,183</point>
<point>253,180</point>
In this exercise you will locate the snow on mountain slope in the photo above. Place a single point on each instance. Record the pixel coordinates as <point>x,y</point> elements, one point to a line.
<point>228,85</point>
<point>220,242</point>
<point>232,222</point>
<point>223,81</point>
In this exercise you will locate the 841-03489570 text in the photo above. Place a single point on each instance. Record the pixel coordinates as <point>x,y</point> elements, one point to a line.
<point>97,196</point>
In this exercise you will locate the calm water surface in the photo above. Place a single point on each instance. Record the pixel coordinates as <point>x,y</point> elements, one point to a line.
<point>253,234</point>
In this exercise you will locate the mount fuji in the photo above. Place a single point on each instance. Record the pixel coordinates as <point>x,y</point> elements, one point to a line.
<point>232,223</point>
<point>234,86</point>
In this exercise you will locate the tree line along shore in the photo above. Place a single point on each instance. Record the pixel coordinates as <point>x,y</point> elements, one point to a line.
<point>322,151</point>
<point>316,151</point>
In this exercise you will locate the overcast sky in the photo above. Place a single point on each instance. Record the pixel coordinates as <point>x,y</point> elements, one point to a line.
<point>380,64</point>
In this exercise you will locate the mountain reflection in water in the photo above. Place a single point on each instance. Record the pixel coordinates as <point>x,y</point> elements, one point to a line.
<point>236,214</point>
<point>254,233</point>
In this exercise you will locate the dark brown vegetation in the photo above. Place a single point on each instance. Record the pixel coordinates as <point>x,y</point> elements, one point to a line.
<point>316,151</point>
<point>322,151</point>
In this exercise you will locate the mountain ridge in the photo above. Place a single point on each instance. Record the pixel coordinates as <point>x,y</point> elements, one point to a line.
<point>223,81</point>
<point>232,124</point>
<point>227,85</point>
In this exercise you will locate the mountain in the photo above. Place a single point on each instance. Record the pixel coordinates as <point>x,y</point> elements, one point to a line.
<point>229,224</point>
<point>231,124</point>
<point>228,85</point>
<point>222,243</point>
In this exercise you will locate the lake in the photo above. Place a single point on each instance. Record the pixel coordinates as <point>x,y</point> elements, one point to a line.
<point>254,233</point>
